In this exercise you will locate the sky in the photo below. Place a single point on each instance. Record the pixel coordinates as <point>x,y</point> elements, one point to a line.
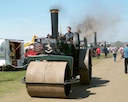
<point>21,19</point>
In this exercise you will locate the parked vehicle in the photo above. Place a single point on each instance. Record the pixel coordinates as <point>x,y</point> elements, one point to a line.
<point>11,52</point>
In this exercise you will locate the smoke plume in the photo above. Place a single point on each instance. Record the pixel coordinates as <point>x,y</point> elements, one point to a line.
<point>103,22</point>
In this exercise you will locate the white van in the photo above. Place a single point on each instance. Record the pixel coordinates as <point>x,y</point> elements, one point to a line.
<point>11,52</point>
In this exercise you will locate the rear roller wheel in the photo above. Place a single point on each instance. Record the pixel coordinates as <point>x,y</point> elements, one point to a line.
<point>86,73</point>
<point>53,73</point>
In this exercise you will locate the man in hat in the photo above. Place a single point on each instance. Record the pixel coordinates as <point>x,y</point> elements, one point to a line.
<point>126,57</point>
<point>49,36</point>
<point>69,35</point>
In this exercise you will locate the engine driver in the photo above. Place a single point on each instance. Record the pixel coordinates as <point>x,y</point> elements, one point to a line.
<point>69,35</point>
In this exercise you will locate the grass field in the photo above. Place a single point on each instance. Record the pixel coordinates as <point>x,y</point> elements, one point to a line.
<point>10,80</point>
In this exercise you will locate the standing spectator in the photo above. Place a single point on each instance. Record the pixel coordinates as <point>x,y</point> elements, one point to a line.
<point>126,57</point>
<point>105,51</point>
<point>98,51</point>
<point>114,54</point>
<point>122,54</point>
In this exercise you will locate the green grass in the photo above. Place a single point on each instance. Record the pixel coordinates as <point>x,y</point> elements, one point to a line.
<point>10,81</point>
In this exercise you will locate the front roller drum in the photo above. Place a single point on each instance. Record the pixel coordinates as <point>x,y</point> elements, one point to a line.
<point>46,79</point>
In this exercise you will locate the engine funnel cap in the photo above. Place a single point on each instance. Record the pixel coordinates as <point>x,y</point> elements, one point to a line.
<point>54,10</point>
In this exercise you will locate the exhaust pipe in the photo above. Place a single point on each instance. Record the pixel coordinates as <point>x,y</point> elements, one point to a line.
<point>95,39</point>
<point>54,23</point>
<point>85,42</point>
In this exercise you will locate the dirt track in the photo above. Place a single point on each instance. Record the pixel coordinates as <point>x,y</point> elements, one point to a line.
<point>109,84</point>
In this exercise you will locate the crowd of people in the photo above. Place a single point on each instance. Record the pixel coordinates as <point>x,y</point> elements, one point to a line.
<point>114,50</point>
<point>102,49</point>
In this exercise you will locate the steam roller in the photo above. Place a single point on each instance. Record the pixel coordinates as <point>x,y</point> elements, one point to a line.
<point>51,74</point>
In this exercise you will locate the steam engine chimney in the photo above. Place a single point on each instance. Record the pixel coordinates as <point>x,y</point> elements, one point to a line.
<point>95,39</point>
<point>85,41</point>
<point>54,23</point>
